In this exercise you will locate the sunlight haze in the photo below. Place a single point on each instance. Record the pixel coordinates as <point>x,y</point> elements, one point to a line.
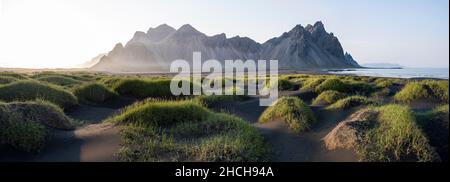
<point>65,33</point>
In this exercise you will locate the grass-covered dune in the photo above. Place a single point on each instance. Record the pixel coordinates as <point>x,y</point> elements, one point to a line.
<point>346,86</point>
<point>143,88</point>
<point>424,90</point>
<point>72,75</point>
<point>396,137</point>
<point>212,100</point>
<point>351,101</point>
<point>292,110</point>
<point>186,131</point>
<point>328,97</point>
<point>435,125</point>
<point>285,84</point>
<point>311,83</point>
<point>32,90</point>
<point>60,80</point>
<point>93,93</point>
<point>15,75</point>
<point>7,79</point>
<point>385,134</point>
<point>25,125</point>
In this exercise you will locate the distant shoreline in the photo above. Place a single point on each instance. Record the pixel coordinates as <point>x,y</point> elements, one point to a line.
<point>280,71</point>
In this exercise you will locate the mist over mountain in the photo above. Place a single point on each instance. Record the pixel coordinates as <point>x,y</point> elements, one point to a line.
<point>309,47</point>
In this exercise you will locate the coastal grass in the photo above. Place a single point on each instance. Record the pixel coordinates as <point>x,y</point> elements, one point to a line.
<point>285,84</point>
<point>72,75</point>
<point>311,83</point>
<point>424,90</point>
<point>212,100</point>
<point>18,76</point>
<point>334,84</point>
<point>7,79</point>
<point>292,110</point>
<point>157,130</point>
<point>32,90</point>
<point>435,125</point>
<point>60,80</point>
<point>345,86</point>
<point>396,137</point>
<point>328,97</point>
<point>143,88</point>
<point>25,126</point>
<point>349,102</point>
<point>93,93</point>
<point>439,89</point>
<point>110,81</point>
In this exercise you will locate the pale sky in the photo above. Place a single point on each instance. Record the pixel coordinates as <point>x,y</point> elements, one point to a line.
<point>64,33</point>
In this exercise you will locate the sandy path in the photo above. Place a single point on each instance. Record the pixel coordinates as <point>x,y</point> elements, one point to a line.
<point>287,146</point>
<point>94,142</point>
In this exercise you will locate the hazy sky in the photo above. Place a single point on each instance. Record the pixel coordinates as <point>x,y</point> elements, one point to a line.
<point>63,33</point>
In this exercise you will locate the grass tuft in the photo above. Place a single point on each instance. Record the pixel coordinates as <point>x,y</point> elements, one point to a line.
<point>25,125</point>
<point>7,79</point>
<point>32,90</point>
<point>93,93</point>
<point>332,84</point>
<point>60,80</point>
<point>311,83</point>
<point>185,131</point>
<point>15,75</point>
<point>143,88</point>
<point>351,101</point>
<point>396,137</point>
<point>297,115</point>
<point>212,100</point>
<point>435,125</point>
<point>328,97</point>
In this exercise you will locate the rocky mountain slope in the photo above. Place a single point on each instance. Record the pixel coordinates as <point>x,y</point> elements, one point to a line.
<point>307,47</point>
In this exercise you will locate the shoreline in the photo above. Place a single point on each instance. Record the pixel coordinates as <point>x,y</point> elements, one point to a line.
<point>280,72</point>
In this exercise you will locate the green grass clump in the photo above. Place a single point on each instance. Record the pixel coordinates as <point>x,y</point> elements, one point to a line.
<point>384,83</point>
<point>351,101</point>
<point>413,91</point>
<point>435,125</point>
<point>25,125</point>
<point>185,131</point>
<point>396,137</point>
<point>311,83</point>
<point>60,80</point>
<point>32,90</point>
<point>439,89</point>
<point>110,82</point>
<point>361,87</point>
<point>332,84</point>
<point>285,84</point>
<point>47,113</point>
<point>328,97</point>
<point>211,100</point>
<point>143,88</point>
<point>93,93</point>
<point>7,79</point>
<point>159,113</point>
<point>59,74</point>
<point>297,115</point>
<point>15,75</point>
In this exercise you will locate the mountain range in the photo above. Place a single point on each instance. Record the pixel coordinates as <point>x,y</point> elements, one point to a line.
<point>309,47</point>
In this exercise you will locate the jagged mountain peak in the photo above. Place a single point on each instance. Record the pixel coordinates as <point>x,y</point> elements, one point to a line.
<point>187,28</point>
<point>161,28</point>
<point>160,32</point>
<point>299,48</point>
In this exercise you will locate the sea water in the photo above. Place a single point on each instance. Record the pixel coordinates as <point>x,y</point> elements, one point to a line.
<point>441,73</point>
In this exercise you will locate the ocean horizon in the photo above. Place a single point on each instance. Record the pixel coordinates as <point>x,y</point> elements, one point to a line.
<point>408,72</point>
